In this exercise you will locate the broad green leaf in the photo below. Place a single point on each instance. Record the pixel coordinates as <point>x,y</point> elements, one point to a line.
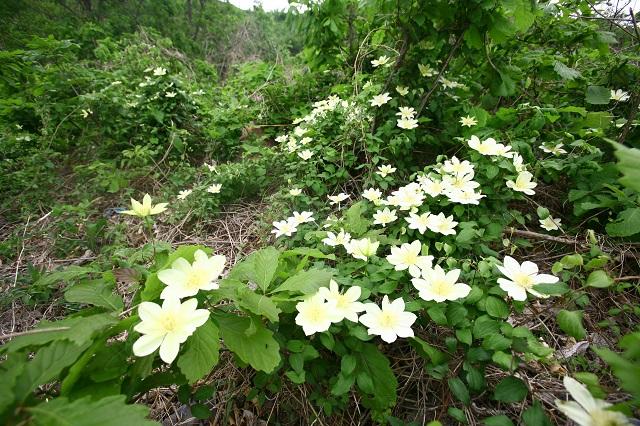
<point>497,308</point>
<point>70,273</point>
<point>567,73</point>
<point>94,292</point>
<point>534,416</point>
<point>306,282</point>
<point>265,263</point>
<point>46,365</point>
<point>510,389</point>
<point>571,323</point>
<point>259,349</point>
<point>354,219</point>
<point>374,366</point>
<point>306,251</point>
<point>200,353</point>
<point>628,164</point>
<point>258,304</point>
<point>109,411</point>
<point>599,279</point>
<point>626,224</point>
<point>598,95</point>
<point>459,390</point>
<point>427,351</point>
<point>10,370</point>
<point>500,420</point>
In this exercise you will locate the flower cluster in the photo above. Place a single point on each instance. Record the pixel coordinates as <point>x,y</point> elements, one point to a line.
<point>290,225</point>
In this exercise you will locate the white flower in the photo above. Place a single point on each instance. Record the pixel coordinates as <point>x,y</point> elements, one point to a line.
<point>346,305</point>
<point>550,223</point>
<point>406,112</point>
<point>488,146</point>
<point>432,187</point>
<point>468,121</point>
<point>85,112</point>
<point>184,194</point>
<point>295,192</point>
<point>587,410</point>
<point>523,183</point>
<point>300,218</point>
<point>518,163</point>
<point>305,140</point>
<point>372,194</point>
<point>167,326</point>
<point>284,227</point>
<point>336,199</point>
<point>522,278</point>
<point>465,197</point>
<point>380,100</point>
<point>170,94</point>
<point>145,208</point>
<point>383,217</point>
<point>619,95</point>
<point>342,238</point>
<point>419,222</point>
<point>159,71</point>
<point>362,249</point>
<point>211,167</point>
<point>459,183</point>
<point>407,197</point>
<point>382,60</point>
<point>300,131</point>
<point>441,224</point>
<point>184,279</point>
<point>426,70</point>
<point>555,150</point>
<point>390,322</point>
<point>437,285</point>
<point>407,256</point>
<point>407,123</point>
<point>282,138</point>
<point>449,84</point>
<point>385,170</point>
<point>402,91</point>
<point>457,167</point>
<point>306,154</point>
<point>215,188</point>
<point>316,315</point>
<point>292,145</point>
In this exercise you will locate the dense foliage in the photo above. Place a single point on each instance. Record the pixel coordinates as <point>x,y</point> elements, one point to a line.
<point>450,190</point>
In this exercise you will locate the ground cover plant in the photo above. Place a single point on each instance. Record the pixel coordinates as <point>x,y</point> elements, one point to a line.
<point>383,212</point>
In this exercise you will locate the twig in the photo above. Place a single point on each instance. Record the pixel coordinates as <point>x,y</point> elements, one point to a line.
<point>635,24</point>
<point>426,97</point>
<point>34,331</point>
<point>538,236</point>
<point>628,278</point>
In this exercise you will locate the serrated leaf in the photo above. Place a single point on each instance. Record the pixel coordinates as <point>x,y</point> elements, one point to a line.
<point>306,282</point>
<point>598,95</point>
<point>96,293</point>
<point>69,273</point>
<point>510,389</point>
<point>200,352</point>
<point>497,308</point>
<point>565,72</point>
<point>260,350</point>
<point>628,164</point>
<point>571,323</point>
<point>626,224</point>
<point>108,411</point>
<point>258,304</point>
<point>459,390</point>
<point>534,416</point>
<point>599,279</point>
<point>373,365</point>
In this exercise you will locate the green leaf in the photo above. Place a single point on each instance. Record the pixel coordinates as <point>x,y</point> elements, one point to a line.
<point>571,323</point>
<point>534,416</point>
<point>485,326</point>
<point>94,292</point>
<point>496,307</point>
<point>306,282</point>
<point>200,411</point>
<point>500,420</point>
<point>348,364</point>
<point>628,164</point>
<point>265,263</point>
<point>306,251</point>
<point>374,366</point>
<point>258,304</point>
<point>626,224</point>
<point>428,351</point>
<point>459,390</point>
<point>259,349</point>
<point>200,352</point>
<point>108,411</point>
<point>599,279</point>
<point>510,389</point>
<point>355,221</point>
<point>565,72</point>
<point>598,95</point>
<point>69,273</point>
<point>46,365</point>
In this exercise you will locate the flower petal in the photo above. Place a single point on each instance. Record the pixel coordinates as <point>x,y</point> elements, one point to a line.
<point>147,344</point>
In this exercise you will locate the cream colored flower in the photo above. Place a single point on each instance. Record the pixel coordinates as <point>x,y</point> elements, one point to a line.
<point>336,199</point>
<point>316,315</point>
<point>384,217</point>
<point>214,188</point>
<point>522,279</point>
<point>380,100</point>
<point>441,224</point>
<point>184,279</point>
<point>587,410</point>
<point>406,112</point>
<point>465,197</point>
<point>211,167</point>
<point>407,256</point>
<point>284,227</point>
<point>306,154</point>
<point>159,71</point>
<point>371,194</point>
<point>300,218</point>
<point>523,183</point>
<point>184,194</point>
<point>170,94</point>
<point>402,90</point>
<point>468,121</point>
<point>385,170</point>
<point>419,222</point>
<point>557,149</point>
<point>432,187</point>
<point>295,192</point>
<point>340,239</point>
<point>167,326</point>
<point>439,286</point>
<point>426,70</point>
<point>145,208</point>
<point>86,112</point>
<point>305,140</point>
<point>407,123</point>
<point>389,322</point>
<point>346,305</point>
<point>382,60</point>
<point>362,249</point>
<point>550,223</point>
<point>489,147</point>
<point>457,167</point>
<point>619,95</point>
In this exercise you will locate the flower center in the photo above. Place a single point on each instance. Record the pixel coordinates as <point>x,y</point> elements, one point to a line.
<point>387,320</point>
<point>169,323</point>
<point>523,280</point>
<point>196,278</point>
